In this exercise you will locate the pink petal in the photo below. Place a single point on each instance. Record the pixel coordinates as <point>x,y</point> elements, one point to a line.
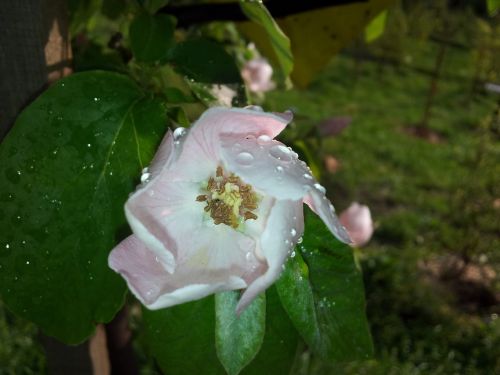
<point>284,227</point>
<point>317,201</point>
<point>273,169</point>
<point>266,164</point>
<point>204,134</point>
<point>208,270</point>
<point>164,156</point>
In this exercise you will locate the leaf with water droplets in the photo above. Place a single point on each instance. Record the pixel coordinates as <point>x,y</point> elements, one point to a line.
<point>322,291</point>
<point>238,338</point>
<point>62,212</point>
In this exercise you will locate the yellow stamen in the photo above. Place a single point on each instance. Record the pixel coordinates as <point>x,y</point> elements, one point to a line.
<point>228,199</point>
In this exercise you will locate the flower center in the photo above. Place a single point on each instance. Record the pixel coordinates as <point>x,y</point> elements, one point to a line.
<point>228,199</point>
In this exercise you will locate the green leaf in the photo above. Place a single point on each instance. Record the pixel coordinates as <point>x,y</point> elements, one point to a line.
<point>278,350</point>
<point>322,291</point>
<point>238,338</point>
<point>67,168</point>
<point>204,61</point>
<point>376,27</point>
<point>258,13</point>
<point>151,37</point>
<point>182,338</point>
<point>177,96</point>
<point>493,6</point>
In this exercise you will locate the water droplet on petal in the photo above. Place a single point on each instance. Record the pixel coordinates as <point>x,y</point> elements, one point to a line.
<point>319,187</point>
<point>300,240</point>
<point>179,133</point>
<point>145,177</point>
<point>264,138</point>
<point>279,169</point>
<point>254,108</point>
<point>293,232</point>
<point>292,255</point>
<point>244,158</point>
<point>307,176</point>
<point>280,152</point>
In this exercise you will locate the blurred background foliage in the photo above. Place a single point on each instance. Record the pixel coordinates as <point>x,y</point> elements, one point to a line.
<point>421,148</point>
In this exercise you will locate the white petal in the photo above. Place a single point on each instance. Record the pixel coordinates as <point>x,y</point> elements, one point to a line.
<point>318,202</point>
<point>284,226</point>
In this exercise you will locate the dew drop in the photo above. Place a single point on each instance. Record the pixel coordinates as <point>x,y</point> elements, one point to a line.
<point>279,169</point>
<point>319,187</point>
<point>264,138</point>
<point>96,99</point>
<point>307,176</point>
<point>28,262</point>
<point>300,240</point>
<point>7,246</point>
<point>244,158</point>
<point>280,152</point>
<point>89,145</point>
<point>293,232</point>
<point>254,108</point>
<point>145,177</point>
<point>179,133</point>
<point>292,255</point>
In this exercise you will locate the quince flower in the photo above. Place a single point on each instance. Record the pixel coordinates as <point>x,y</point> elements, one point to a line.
<point>220,208</point>
<point>257,75</point>
<point>357,219</point>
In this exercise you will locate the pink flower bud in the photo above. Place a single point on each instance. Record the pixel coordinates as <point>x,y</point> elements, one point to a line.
<point>257,75</point>
<point>357,219</point>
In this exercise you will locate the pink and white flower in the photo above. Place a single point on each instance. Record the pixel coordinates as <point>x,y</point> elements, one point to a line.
<point>220,208</point>
<point>257,75</point>
<point>357,219</point>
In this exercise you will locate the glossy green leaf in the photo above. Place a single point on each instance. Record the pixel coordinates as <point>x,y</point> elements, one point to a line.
<point>67,167</point>
<point>322,291</point>
<point>238,338</point>
<point>376,27</point>
<point>151,37</point>
<point>278,350</point>
<point>257,12</point>
<point>204,61</point>
<point>182,338</point>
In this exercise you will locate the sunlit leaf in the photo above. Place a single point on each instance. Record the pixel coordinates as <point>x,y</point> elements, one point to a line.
<point>376,27</point>
<point>318,35</point>
<point>67,168</point>
<point>493,6</point>
<point>265,23</point>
